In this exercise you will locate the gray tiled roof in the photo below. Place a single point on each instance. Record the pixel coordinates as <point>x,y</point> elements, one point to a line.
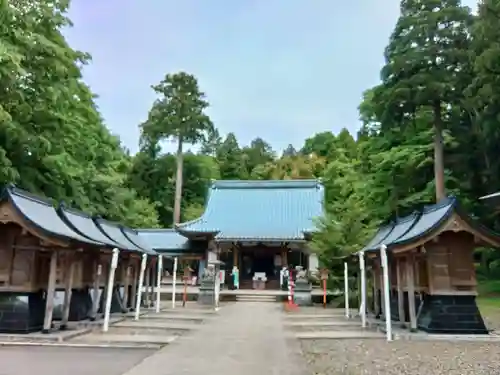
<point>114,232</point>
<point>42,214</point>
<point>84,224</point>
<point>432,216</point>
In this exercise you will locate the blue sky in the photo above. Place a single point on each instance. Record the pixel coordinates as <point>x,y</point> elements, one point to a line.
<point>278,69</point>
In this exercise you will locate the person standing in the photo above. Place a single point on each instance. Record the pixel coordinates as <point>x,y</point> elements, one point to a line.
<point>236,278</point>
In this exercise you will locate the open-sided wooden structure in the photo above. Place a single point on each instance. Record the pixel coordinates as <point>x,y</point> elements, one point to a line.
<point>432,276</point>
<point>45,251</point>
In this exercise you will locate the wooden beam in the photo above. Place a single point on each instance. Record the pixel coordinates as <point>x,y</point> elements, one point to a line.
<point>399,276</point>
<point>376,301</point>
<point>410,279</point>
<point>68,287</point>
<point>96,288</point>
<point>135,279</point>
<point>51,289</point>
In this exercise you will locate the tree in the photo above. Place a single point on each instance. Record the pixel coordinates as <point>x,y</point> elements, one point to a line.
<point>425,59</point>
<point>178,113</point>
<point>289,151</point>
<point>230,159</point>
<point>53,140</point>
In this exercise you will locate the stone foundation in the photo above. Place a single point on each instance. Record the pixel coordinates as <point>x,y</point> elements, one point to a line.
<point>451,314</point>
<point>21,312</point>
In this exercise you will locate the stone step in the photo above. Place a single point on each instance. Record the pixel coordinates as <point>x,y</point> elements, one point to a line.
<point>322,326</point>
<point>173,318</point>
<point>338,335</point>
<point>315,317</point>
<point>109,338</point>
<point>255,298</point>
<point>156,324</point>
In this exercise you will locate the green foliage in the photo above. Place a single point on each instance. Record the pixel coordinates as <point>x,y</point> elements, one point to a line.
<point>52,138</point>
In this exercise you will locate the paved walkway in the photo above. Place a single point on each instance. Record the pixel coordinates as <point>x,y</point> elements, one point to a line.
<point>247,338</point>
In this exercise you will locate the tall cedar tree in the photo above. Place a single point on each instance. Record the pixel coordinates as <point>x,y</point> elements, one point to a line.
<point>426,56</point>
<point>178,113</point>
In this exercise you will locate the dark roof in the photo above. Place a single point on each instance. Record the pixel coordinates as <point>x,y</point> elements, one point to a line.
<point>400,228</point>
<point>41,214</point>
<point>115,233</point>
<point>418,225</point>
<point>259,210</point>
<point>84,225</point>
<point>381,234</point>
<point>431,218</point>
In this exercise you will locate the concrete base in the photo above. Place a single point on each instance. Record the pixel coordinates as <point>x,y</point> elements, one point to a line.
<point>21,312</point>
<point>451,315</point>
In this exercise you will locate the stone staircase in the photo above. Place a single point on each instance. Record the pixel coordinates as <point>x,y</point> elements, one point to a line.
<point>316,323</point>
<point>255,298</point>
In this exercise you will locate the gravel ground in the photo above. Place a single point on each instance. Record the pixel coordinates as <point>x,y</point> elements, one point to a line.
<point>355,357</point>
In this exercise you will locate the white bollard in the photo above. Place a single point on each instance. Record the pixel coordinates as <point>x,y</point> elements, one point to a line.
<point>217,290</point>
<point>141,286</point>
<point>174,282</point>
<point>109,289</point>
<point>362,269</point>
<point>346,291</point>
<point>387,296</point>
<point>158,282</point>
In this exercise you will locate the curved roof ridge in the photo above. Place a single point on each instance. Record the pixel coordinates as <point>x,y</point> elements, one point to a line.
<point>33,197</point>
<point>145,230</point>
<point>265,184</point>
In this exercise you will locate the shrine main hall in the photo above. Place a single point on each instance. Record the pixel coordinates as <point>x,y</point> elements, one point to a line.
<point>257,226</point>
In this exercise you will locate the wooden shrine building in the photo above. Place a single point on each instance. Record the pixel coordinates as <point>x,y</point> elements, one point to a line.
<point>432,275</point>
<point>257,226</point>
<point>47,252</point>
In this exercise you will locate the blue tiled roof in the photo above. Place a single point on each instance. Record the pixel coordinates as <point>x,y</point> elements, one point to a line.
<point>42,215</point>
<point>164,239</point>
<point>259,210</point>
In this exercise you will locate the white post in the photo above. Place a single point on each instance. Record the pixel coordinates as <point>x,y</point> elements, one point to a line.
<point>141,286</point>
<point>387,301</point>
<point>217,290</point>
<point>109,289</point>
<point>158,282</point>
<point>174,282</point>
<point>346,291</point>
<point>362,270</point>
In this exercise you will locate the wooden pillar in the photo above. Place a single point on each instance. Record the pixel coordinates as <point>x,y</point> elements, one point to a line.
<point>126,284</point>
<point>376,301</point>
<point>382,294</point>
<point>135,279</point>
<point>236,253</point>
<point>284,257</point>
<point>399,276</point>
<point>68,289</point>
<point>51,288</point>
<point>96,288</point>
<point>410,280</point>
<point>152,282</point>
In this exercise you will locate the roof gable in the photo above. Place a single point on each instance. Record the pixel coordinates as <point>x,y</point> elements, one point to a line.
<point>259,210</point>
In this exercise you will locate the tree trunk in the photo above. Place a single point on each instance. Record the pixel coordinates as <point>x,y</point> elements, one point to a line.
<point>438,153</point>
<point>178,183</point>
